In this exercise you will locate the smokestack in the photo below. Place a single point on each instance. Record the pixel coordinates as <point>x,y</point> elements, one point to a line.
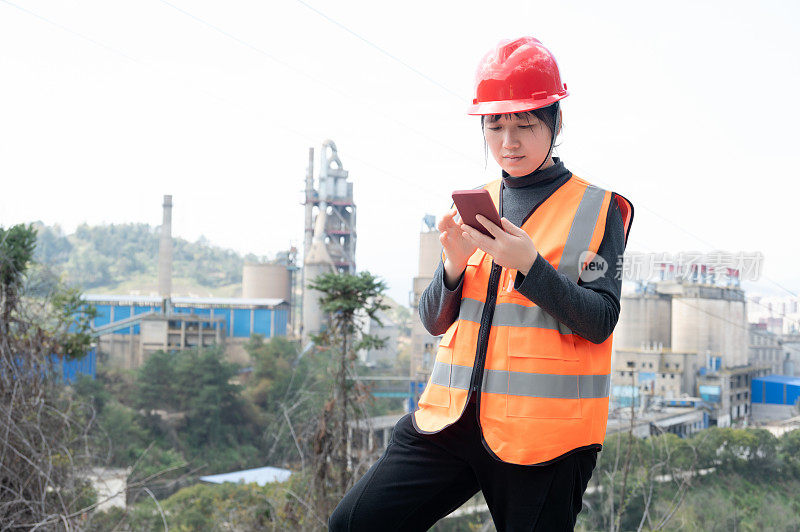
<point>165,251</point>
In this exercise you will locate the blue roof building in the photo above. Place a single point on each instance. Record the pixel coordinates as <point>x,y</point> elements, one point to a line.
<point>775,397</point>
<point>130,327</point>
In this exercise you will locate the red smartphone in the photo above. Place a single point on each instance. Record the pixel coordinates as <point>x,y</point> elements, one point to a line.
<point>472,202</point>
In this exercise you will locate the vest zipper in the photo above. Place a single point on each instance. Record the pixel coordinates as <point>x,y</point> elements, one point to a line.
<point>486,319</point>
<point>483,333</point>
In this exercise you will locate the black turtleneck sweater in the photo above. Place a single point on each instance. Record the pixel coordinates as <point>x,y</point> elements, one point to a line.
<point>590,309</point>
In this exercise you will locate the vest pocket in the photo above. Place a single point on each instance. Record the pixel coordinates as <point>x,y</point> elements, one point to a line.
<point>541,383</point>
<point>535,342</point>
<point>437,392</point>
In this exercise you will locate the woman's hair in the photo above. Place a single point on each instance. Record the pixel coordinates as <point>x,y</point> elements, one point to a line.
<point>547,115</point>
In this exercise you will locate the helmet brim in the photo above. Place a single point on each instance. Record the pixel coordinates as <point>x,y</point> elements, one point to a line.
<point>502,107</point>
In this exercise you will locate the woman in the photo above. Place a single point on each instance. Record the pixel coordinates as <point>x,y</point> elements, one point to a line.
<point>517,402</point>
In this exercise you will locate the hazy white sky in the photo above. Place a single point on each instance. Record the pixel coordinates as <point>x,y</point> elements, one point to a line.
<point>689,109</point>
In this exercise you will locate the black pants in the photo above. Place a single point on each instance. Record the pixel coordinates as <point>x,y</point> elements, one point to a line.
<point>421,478</point>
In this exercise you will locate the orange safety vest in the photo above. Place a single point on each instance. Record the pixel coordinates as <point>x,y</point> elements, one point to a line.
<point>544,390</point>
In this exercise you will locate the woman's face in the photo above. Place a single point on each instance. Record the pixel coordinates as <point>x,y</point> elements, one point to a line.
<point>518,144</point>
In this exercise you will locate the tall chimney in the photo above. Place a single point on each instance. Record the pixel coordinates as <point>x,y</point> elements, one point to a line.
<point>165,251</point>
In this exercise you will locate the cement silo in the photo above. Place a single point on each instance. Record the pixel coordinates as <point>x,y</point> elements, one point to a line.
<point>271,281</point>
<point>317,262</point>
<point>710,318</point>
<point>643,319</point>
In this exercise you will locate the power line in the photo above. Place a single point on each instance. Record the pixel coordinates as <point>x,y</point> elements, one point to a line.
<point>686,231</point>
<point>289,66</point>
<point>73,32</point>
<point>315,79</point>
<point>382,50</point>
<point>248,112</point>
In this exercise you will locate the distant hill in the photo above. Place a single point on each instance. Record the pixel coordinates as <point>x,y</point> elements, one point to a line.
<point>123,258</point>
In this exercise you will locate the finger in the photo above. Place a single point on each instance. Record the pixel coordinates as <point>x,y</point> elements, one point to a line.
<point>510,227</point>
<point>448,224</point>
<point>489,225</point>
<point>447,220</point>
<point>477,238</point>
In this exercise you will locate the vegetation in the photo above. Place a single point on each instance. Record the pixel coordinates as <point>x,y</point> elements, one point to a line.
<point>107,256</point>
<point>44,448</point>
<point>343,298</point>
<point>715,480</point>
<point>184,414</point>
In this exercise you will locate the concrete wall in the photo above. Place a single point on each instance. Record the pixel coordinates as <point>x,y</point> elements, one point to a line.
<point>718,326</point>
<point>643,319</point>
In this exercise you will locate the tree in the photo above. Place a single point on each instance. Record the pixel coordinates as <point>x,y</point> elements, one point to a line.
<point>45,449</point>
<point>343,298</point>
<point>633,474</point>
<point>156,383</point>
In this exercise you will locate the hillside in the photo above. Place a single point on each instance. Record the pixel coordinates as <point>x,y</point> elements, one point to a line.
<point>123,259</point>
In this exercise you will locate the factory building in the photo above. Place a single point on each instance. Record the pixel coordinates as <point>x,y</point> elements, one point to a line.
<point>765,349</point>
<point>129,328</point>
<point>423,344</point>
<point>727,392</point>
<point>653,371</point>
<point>276,297</point>
<point>775,397</point>
<point>329,243</point>
<point>685,336</point>
<point>790,343</point>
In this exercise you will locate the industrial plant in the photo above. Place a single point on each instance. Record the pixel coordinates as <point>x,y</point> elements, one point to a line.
<point>275,299</point>
<point>687,353</point>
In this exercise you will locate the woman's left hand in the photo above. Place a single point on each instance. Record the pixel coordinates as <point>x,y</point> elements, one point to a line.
<point>511,248</point>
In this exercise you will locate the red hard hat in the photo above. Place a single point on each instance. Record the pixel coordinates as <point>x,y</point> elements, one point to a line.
<point>516,76</point>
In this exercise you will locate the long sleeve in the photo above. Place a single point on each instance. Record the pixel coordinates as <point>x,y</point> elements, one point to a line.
<point>439,305</point>
<point>590,309</point>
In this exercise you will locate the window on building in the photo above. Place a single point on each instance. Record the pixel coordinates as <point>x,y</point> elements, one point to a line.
<point>672,376</point>
<point>651,364</point>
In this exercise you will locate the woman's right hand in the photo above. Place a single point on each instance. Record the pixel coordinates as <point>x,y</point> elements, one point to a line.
<point>457,249</point>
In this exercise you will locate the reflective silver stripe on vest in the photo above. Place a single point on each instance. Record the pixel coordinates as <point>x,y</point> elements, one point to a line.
<point>514,315</point>
<point>525,384</point>
<point>547,385</point>
<point>451,375</point>
<point>471,310</point>
<point>580,233</point>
